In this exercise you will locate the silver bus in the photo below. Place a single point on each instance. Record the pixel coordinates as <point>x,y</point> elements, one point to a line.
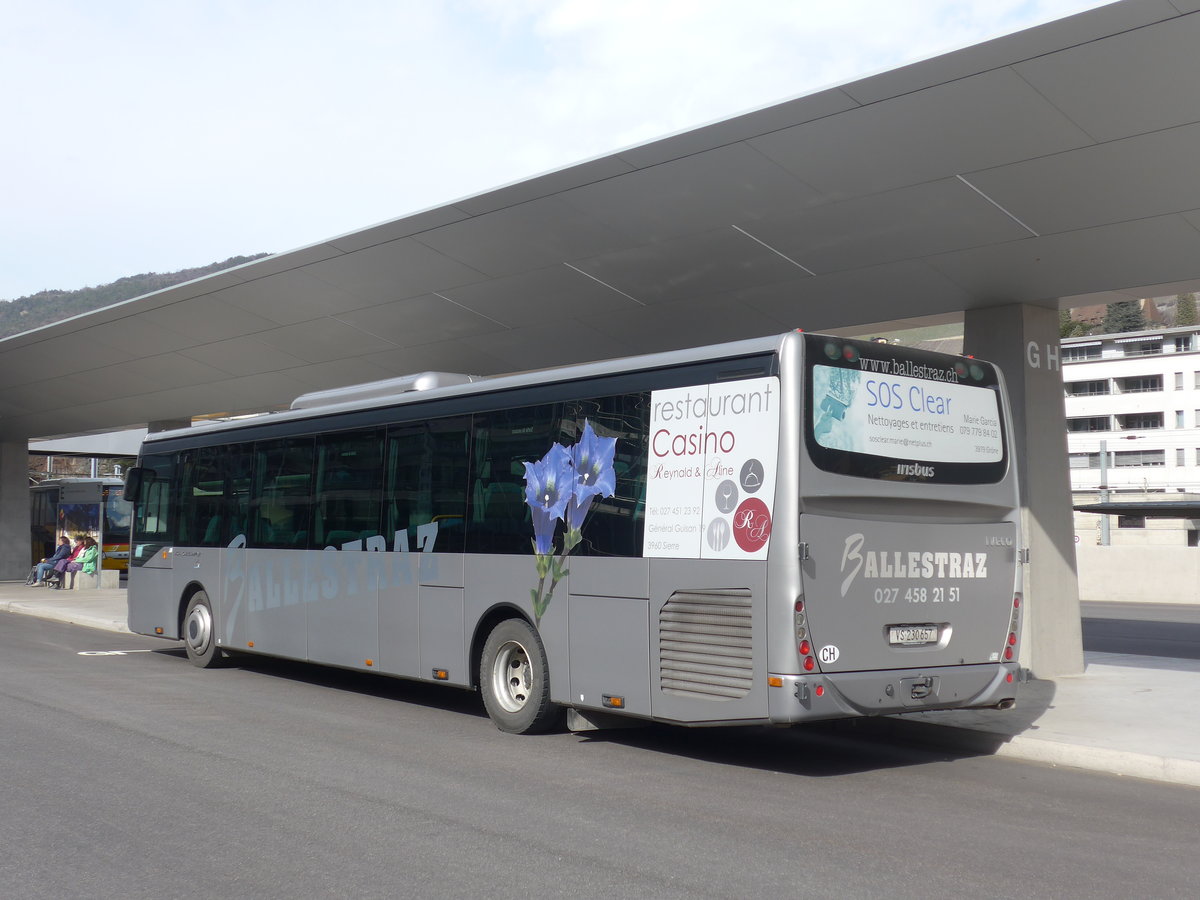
<point>778,530</point>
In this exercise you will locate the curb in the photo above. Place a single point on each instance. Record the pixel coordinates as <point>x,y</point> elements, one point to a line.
<point>1102,759</point>
<point>1123,763</point>
<point>68,616</point>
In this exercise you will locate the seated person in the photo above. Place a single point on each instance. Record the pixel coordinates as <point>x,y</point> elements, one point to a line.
<point>60,567</point>
<point>62,551</point>
<point>85,562</point>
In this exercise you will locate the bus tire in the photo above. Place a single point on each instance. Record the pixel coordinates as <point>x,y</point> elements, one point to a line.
<point>514,679</point>
<point>199,633</point>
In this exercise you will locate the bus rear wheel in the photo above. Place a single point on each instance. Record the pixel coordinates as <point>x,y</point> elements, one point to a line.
<point>514,679</point>
<point>199,638</point>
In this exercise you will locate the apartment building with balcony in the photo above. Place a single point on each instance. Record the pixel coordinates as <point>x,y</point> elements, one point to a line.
<point>1135,398</point>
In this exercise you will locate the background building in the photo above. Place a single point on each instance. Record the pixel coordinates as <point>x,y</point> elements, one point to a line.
<point>1134,397</point>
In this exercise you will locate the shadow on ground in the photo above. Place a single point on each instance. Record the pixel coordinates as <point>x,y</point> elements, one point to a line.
<point>817,750</point>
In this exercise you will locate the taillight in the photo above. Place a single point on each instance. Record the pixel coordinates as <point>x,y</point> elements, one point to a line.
<point>803,646</point>
<point>1013,627</point>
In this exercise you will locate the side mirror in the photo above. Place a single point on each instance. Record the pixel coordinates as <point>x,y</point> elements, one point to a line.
<point>133,482</point>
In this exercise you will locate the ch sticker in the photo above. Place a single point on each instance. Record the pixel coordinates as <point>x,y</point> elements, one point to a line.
<point>829,654</point>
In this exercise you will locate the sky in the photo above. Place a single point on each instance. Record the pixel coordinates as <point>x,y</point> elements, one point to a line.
<point>156,135</point>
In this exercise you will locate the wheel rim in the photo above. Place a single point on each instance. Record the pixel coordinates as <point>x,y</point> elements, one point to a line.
<point>512,676</point>
<point>197,629</point>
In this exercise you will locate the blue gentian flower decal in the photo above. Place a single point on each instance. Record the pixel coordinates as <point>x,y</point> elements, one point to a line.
<point>549,486</point>
<point>592,458</point>
<point>560,487</point>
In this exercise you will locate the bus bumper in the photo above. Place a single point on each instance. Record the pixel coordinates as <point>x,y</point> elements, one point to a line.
<point>806,698</point>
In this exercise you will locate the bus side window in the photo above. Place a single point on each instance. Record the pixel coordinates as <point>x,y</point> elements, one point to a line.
<point>208,499</point>
<point>503,442</point>
<point>426,483</point>
<point>615,525</point>
<point>281,512</point>
<point>349,480</point>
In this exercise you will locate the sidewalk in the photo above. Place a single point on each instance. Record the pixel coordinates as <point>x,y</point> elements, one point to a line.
<point>1126,715</point>
<point>91,607</point>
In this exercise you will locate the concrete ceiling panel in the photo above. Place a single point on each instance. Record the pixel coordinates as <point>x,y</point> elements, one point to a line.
<point>563,341</point>
<point>730,185</point>
<point>973,123</point>
<point>1102,184</point>
<point>243,356</point>
<point>65,354</point>
<point>393,271</point>
<point>396,229</point>
<point>692,266</point>
<point>517,239</point>
<point>1094,259</point>
<point>133,334</point>
<point>674,326</point>
<point>545,185</point>
<point>289,297</point>
<point>163,372</point>
<point>210,320</point>
<point>322,340</point>
<point>748,125</point>
<point>857,296</point>
<point>532,297</point>
<point>338,373</point>
<point>1134,82</point>
<point>419,320</point>
<point>463,356</point>
<point>934,217</point>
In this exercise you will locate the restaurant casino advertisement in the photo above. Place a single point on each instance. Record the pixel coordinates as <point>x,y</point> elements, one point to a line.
<point>711,475</point>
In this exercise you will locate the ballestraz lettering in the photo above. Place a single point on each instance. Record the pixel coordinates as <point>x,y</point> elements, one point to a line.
<point>914,469</point>
<point>896,564</point>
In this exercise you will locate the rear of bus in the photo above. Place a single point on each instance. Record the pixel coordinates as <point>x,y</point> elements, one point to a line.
<point>909,545</point>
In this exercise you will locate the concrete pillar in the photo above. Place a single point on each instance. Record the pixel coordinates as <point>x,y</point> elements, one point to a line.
<point>15,541</point>
<point>1023,341</point>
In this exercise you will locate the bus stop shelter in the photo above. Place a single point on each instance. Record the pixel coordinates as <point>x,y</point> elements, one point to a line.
<point>1048,168</point>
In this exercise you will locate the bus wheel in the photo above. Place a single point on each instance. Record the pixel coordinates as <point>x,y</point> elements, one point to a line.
<point>515,679</point>
<point>198,636</point>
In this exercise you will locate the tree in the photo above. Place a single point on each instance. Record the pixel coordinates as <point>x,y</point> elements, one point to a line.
<point>1185,309</point>
<point>1068,327</point>
<point>1124,316</point>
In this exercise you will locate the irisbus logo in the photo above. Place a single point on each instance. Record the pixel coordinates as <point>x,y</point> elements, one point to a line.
<point>914,470</point>
<point>896,564</point>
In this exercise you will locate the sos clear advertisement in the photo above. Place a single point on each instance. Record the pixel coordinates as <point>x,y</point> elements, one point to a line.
<point>888,413</point>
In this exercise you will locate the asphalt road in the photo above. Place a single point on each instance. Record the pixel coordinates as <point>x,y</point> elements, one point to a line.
<point>1144,629</point>
<point>139,776</point>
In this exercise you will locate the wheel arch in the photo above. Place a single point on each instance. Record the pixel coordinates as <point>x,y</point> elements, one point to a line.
<point>185,597</point>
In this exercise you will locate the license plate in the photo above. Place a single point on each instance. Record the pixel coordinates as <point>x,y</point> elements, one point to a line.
<point>906,635</point>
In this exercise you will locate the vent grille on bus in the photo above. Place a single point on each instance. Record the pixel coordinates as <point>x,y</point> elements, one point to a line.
<point>705,644</point>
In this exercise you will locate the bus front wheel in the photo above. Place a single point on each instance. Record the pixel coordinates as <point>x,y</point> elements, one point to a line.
<point>514,679</point>
<point>198,632</point>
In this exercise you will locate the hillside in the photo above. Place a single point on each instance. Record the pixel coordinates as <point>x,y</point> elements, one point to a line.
<point>44,307</point>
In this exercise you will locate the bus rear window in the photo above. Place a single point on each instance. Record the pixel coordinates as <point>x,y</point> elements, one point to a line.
<point>879,411</point>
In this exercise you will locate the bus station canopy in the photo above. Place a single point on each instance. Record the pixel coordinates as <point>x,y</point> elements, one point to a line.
<point>1055,166</point>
